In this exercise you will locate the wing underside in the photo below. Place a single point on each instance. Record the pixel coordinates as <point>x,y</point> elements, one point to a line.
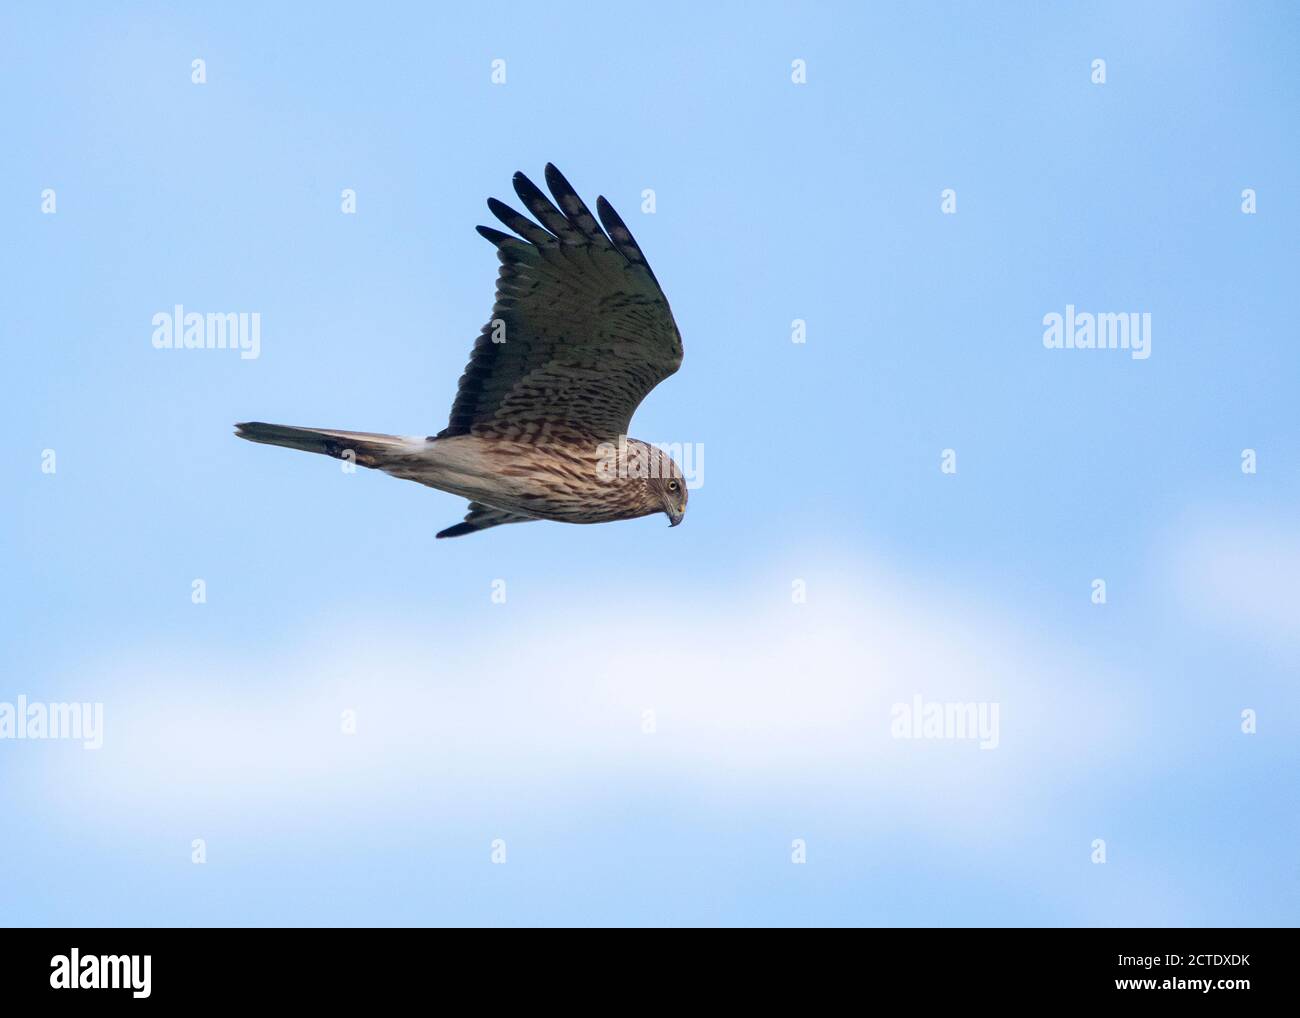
<point>480,517</point>
<point>580,330</point>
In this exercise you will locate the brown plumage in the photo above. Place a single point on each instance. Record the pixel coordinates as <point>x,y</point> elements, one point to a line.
<point>579,335</point>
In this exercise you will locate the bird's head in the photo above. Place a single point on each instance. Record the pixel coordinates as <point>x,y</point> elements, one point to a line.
<point>648,477</point>
<point>668,486</point>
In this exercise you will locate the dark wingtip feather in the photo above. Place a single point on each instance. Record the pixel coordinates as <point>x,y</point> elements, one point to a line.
<point>573,207</point>
<point>556,181</point>
<point>607,213</point>
<point>522,225</point>
<point>459,530</point>
<point>495,236</point>
<point>544,210</point>
<point>523,186</point>
<point>621,235</point>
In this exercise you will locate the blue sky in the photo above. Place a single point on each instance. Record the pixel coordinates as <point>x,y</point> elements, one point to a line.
<point>523,721</point>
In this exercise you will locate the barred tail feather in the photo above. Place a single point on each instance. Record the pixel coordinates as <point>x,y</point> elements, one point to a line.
<point>368,449</point>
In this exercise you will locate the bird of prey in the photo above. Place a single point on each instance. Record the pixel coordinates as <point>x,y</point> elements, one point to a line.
<point>579,335</point>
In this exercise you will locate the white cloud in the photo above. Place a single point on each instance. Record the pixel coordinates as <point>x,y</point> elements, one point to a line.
<point>748,696</point>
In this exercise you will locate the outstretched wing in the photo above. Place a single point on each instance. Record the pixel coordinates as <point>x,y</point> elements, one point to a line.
<point>480,517</point>
<point>580,330</point>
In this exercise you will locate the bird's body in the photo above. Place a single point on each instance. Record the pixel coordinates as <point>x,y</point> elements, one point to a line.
<point>580,334</point>
<point>567,479</point>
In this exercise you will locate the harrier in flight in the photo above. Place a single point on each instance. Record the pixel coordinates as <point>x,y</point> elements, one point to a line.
<point>580,334</point>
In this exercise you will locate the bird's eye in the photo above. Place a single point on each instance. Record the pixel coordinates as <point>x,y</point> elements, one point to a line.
<point>672,485</point>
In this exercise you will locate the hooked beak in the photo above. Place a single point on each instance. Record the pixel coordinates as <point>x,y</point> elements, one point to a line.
<point>675,514</point>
